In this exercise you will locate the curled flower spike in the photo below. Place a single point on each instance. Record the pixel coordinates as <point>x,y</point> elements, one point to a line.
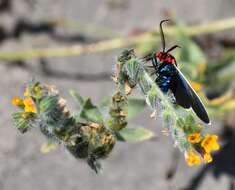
<point>194,138</point>
<point>16,101</point>
<point>192,158</point>
<point>209,143</point>
<point>29,105</point>
<point>44,108</point>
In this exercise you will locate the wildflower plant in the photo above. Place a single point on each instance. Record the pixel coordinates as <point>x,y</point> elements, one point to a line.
<point>44,108</point>
<point>92,131</point>
<point>89,134</point>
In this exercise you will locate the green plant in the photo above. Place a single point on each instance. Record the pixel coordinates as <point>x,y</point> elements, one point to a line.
<point>88,134</point>
<point>93,130</point>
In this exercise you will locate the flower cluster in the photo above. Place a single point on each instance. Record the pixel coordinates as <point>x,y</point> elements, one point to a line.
<point>27,104</point>
<point>204,146</point>
<point>24,118</point>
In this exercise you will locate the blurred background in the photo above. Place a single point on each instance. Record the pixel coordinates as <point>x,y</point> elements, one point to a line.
<point>59,28</point>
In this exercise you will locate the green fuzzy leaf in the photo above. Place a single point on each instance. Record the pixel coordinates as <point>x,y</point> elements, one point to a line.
<point>17,115</point>
<point>104,107</point>
<point>132,68</point>
<point>47,104</point>
<point>135,107</point>
<point>189,120</point>
<point>91,112</point>
<point>105,103</point>
<point>20,123</point>
<point>144,84</point>
<point>79,99</point>
<point>152,97</point>
<point>134,134</point>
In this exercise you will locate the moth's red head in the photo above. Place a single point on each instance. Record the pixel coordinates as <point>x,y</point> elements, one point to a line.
<point>160,55</point>
<point>163,57</point>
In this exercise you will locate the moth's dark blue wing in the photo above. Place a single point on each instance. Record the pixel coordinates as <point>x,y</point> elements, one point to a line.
<point>179,90</point>
<point>186,97</point>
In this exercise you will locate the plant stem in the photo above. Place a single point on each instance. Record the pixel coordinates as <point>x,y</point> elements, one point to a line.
<point>85,28</point>
<point>115,43</point>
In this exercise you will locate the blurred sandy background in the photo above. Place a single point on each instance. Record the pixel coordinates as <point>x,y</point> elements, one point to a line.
<point>134,166</point>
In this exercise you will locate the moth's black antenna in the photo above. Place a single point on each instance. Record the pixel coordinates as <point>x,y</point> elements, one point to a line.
<point>162,35</point>
<point>172,48</point>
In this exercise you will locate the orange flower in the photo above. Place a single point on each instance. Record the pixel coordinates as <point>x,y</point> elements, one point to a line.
<point>196,86</point>
<point>194,138</point>
<point>29,105</point>
<point>16,101</point>
<point>209,143</point>
<point>192,158</point>
<point>207,158</point>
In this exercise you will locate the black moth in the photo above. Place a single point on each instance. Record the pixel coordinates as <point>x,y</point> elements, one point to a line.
<point>169,77</point>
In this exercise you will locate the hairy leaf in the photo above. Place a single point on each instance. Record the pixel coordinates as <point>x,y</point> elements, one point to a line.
<point>135,107</point>
<point>135,134</point>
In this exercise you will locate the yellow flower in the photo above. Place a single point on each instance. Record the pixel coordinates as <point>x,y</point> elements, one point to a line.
<point>16,101</point>
<point>194,138</point>
<point>207,158</point>
<point>29,105</point>
<point>27,92</point>
<point>192,159</point>
<point>209,143</point>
